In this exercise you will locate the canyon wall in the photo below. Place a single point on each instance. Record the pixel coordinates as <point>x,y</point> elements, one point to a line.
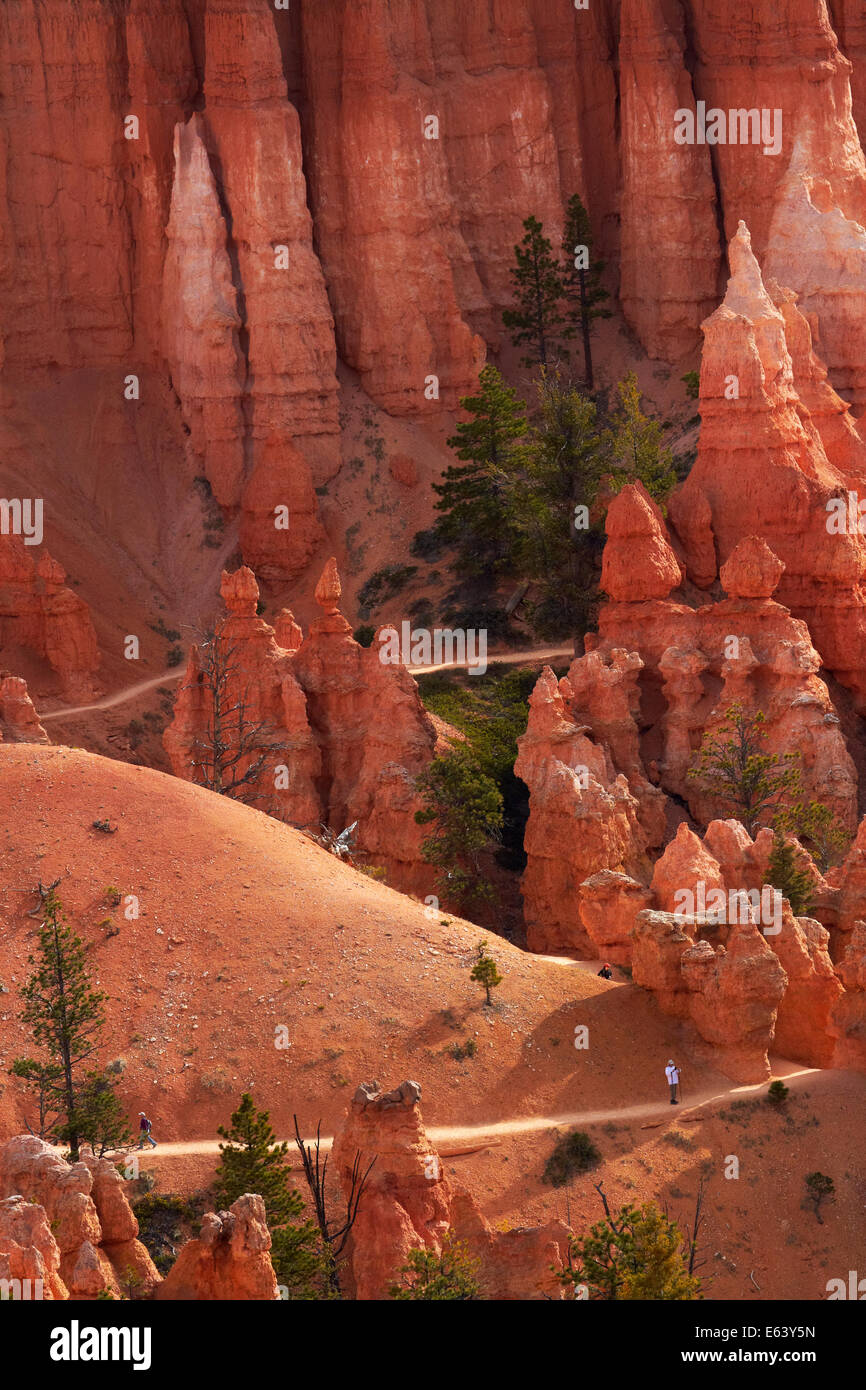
<point>222,199</point>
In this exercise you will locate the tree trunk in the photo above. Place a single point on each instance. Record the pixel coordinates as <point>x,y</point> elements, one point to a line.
<point>584,322</point>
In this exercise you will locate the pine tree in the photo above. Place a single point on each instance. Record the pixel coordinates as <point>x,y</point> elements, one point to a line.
<point>733,768</point>
<point>100,1119</point>
<point>819,1188</point>
<point>65,1015</point>
<point>784,873</point>
<point>476,500</point>
<point>485,971</point>
<point>42,1080</point>
<point>637,453</point>
<point>637,1254</point>
<point>439,1275</point>
<point>584,292</point>
<point>559,548</point>
<point>464,806</point>
<point>816,826</point>
<point>537,319</point>
<point>252,1161</point>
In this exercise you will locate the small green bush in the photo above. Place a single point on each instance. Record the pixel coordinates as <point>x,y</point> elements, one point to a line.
<point>692,383</point>
<point>384,584</point>
<point>818,1188</point>
<point>574,1153</point>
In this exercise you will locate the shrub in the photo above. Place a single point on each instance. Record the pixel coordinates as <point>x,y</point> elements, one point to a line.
<point>364,634</point>
<point>482,617</point>
<point>485,971</point>
<point>164,1222</point>
<point>818,1188</point>
<point>574,1153</point>
<point>384,584</point>
<point>792,882</point>
<point>777,1093</point>
<point>427,545</point>
<point>436,1276</point>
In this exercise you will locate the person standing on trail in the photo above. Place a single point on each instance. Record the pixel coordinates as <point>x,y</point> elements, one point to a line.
<point>144,1128</point>
<point>605,972</point>
<point>672,1072</point>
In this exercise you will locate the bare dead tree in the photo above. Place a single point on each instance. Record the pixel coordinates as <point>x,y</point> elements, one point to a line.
<point>599,1187</point>
<point>334,1235</point>
<point>43,894</point>
<point>693,1231</point>
<point>233,749</point>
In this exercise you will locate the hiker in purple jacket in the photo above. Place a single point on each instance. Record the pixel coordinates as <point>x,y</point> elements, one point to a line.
<point>144,1128</point>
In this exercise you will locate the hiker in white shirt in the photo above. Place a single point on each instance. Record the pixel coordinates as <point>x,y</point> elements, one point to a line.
<point>672,1072</point>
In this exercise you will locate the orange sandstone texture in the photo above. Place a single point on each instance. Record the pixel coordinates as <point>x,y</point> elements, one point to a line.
<point>411,1203</point>
<point>229,1260</point>
<point>755,401</point>
<point>338,735</point>
<point>38,611</point>
<point>19,722</point>
<point>95,1231</point>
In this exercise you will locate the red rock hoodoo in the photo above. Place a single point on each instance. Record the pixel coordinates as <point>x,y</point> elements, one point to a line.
<point>410,1202</point>
<point>334,734</point>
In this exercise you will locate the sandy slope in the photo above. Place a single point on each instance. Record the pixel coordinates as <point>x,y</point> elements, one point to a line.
<point>247,928</point>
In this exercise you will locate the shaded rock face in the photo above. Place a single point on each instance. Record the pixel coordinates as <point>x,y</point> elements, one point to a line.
<point>802,1030</point>
<point>584,816</point>
<point>731,994</point>
<point>39,612</point>
<point>94,1230</point>
<point>201,322</point>
<point>333,734</point>
<point>847,882</point>
<point>229,1260</point>
<point>19,722</point>
<point>848,1019</point>
<point>663,296</point>
<point>410,1203</point>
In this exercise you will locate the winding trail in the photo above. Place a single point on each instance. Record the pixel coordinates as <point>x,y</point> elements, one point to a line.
<point>497,659</point>
<point>130,692</point>
<point>529,1124</point>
